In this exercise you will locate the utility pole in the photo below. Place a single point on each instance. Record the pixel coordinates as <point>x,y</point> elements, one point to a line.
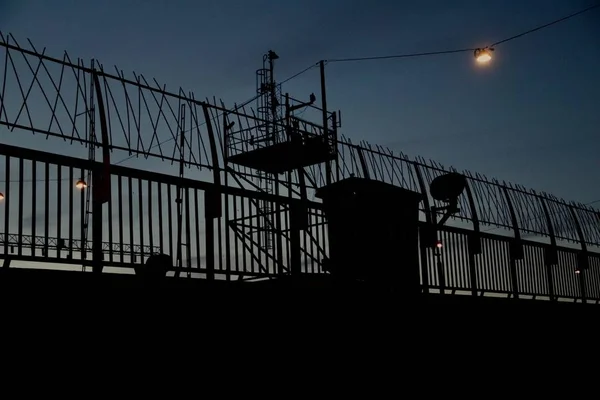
<point>325,120</point>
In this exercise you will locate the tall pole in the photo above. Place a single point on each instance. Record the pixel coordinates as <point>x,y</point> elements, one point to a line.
<point>278,234</point>
<point>180,189</point>
<point>325,128</point>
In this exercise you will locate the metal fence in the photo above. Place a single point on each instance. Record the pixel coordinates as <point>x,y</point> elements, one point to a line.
<point>44,220</point>
<point>572,274</point>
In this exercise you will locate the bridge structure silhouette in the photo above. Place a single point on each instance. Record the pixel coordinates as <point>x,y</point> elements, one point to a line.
<point>231,193</point>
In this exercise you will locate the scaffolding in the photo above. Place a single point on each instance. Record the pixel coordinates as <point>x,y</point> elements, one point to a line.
<point>267,135</point>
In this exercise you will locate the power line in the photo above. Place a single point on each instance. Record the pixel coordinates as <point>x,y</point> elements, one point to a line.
<point>299,73</point>
<point>546,25</point>
<point>429,53</point>
<point>432,53</point>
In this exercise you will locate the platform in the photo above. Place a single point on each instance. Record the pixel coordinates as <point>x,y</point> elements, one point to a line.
<point>285,156</point>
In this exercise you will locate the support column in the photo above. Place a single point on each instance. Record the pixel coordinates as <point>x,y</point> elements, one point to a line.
<point>427,233</point>
<point>297,223</point>
<point>97,255</point>
<point>212,210</point>
<point>550,253</point>
<point>515,247</point>
<point>325,120</point>
<point>582,257</point>
<point>474,240</point>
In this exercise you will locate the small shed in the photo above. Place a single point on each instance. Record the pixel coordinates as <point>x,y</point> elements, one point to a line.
<point>373,232</point>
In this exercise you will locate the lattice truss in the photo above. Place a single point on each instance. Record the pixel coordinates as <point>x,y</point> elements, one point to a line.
<point>52,97</point>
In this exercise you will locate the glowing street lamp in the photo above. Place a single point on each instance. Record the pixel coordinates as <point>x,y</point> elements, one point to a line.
<point>81,184</point>
<point>483,56</point>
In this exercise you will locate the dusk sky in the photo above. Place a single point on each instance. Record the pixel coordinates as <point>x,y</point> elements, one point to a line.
<point>530,117</point>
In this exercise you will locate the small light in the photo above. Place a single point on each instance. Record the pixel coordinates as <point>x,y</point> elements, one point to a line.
<point>483,56</point>
<point>439,244</point>
<point>577,270</point>
<point>81,184</point>
<point>1,196</point>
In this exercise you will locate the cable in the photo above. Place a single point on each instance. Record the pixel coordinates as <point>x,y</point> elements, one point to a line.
<point>429,53</point>
<point>546,25</point>
<point>299,73</point>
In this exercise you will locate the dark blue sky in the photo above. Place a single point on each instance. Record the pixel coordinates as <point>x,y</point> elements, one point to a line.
<point>530,117</point>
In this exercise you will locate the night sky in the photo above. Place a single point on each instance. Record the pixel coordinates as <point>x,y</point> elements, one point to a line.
<point>530,117</point>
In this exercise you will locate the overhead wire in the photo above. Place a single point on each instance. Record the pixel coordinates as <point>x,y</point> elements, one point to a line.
<point>432,53</point>
<point>299,73</point>
<point>546,25</point>
<point>429,53</point>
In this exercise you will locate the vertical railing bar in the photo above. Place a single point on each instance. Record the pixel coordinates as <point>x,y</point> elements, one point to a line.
<point>533,276</point>
<point>446,269</point>
<point>464,262</point>
<point>314,221</point>
<point>492,264</point>
<point>20,229</point>
<point>58,210</point>
<point>188,239</point>
<point>243,219</point>
<point>457,238</point>
<point>170,218</point>
<point>305,246</point>
<point>161,239</point>
<point>120,203</point>
<point>543,273</point>
<point>219,222</point>
<point>424,264</point>
<point>497,276</point>
<point>259,237</point>
<point>196,215</point>
<point>82,210</point>
<point>527,268</point>
<point>228,251</point>
<point>141,217</point>
<point>500,246</point>
<point>7,203</point>
<point>470,281</point>
<point>34,209</point>
<point>235,238</point>
<point>489,267</point>
<point>150,228</point>
<point>46,206</point>
<point>287,242</point>
<point>251,219</point>
<point>322,213</point>
<point>130,206</point>
<point>477,260</point>
<point>507,269</point>
<point>111,256</point>
<point>453,260</point>
<point>71,177</point>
